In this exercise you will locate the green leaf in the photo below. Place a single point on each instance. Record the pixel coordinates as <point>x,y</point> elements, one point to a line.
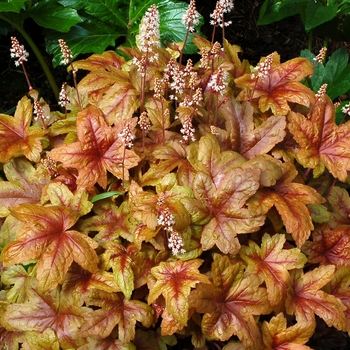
<point>273,11</point>
<point>104,195</point>
<point>11,5</point>
<point>104,21</point>
<point>50,14</point>
<point>336,73</point>
<point>316,14</point>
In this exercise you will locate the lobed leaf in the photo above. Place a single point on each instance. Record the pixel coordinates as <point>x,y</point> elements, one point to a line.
<point>272,262</point>
<point>305,298</point>
<point>282,85</point>
<point>174,282</point>
<point>322,144</point>
<point>16,136</point>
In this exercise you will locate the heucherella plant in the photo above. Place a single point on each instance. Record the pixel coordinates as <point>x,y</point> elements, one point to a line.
<point>176,205</point>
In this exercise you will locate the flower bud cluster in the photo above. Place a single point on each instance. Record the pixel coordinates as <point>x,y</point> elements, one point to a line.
<point>191,17</point>
<point>149,33</point>
<point>18,51</point>
<point>222,7</point>
<point>66,52</point>
<point>63,96</point>
<point>178,84</point>
<point>321,91</point>
<point>218,82</point>
<point>127,136</point>
<point>144,122</point>
<point>263,68</point>
<point>188,130</point>
<point>39,113</point>
<point>167,221</point>
<point>320,57</point>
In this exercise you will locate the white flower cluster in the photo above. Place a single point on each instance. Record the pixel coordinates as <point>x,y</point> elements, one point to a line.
<point>127,136</point>
<point>63,96</point>
<point>188,130</point>
<point>191,17</point>
<point>149,33</point>
<point>66,52</point>
<point>346,109</point>
<point>167,221</point>
<point>222,7</point>
<point>263,68</point>
<point>18,51</point>
<point>321,91</point>
<point>218,81</point>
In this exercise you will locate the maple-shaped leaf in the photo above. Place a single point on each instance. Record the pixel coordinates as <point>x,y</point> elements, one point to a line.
<point>25,184</point>
<point>16,135</point>
<point>245,137</point>
<point>323,144</point>
<point>115,310</point>
<point>272,262</point>
<point>98,150</point>
<point>59,194</point>
<point>280,85</point>
<point>221,209</point>
<point>230,303</point>
<point>339,199</point>
<point>305,298</point>
<point>120,260</point>
<point>45,236</point>
<point>109,87</point>
<point>165,158</point>
<point>329,246</point>
<point>110,221</point>
<point>174,281</point>
<point>63,315</point>
<point>290,199</point>
<point>22,281</point>
<point>340,288</point>
<point>277,336</point>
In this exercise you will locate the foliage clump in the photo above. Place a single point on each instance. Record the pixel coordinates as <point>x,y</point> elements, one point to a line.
<point>201,205</point>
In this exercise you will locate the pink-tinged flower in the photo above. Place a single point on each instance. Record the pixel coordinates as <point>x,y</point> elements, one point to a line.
<point>222,7</point>
<point>63,96</point>
<point>218,81</point>
<point>18,51</point>
<point>66,52</point>
<point>263,68</point>
<point>191,17</point>
<point>149,33</point>
<point>176,244</point>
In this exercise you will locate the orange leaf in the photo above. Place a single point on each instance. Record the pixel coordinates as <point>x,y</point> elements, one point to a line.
<point>51,310</point>
<point>282,85</point>
<point>277,336</point>
<point>230,303</point>
<point>98,150</point>
<point>16,136</point>
<point>323,144</point>
<point>25,184</point>
<point>329,247</point>
<point>272,262</point>
<point>290,199</point>
<point>305,298</point>
<point>45,236</point>
<point>174,281</point>
<point>116,310</point>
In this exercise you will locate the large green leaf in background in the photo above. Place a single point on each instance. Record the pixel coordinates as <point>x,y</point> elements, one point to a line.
<point>104,21</point>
